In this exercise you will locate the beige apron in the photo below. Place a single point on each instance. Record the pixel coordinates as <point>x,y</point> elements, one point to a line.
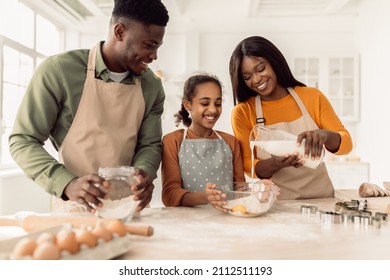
<point>104,130</point>
<point>302,182</point>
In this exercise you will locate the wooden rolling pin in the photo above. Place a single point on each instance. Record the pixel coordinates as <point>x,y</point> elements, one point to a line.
<point>37,222</point>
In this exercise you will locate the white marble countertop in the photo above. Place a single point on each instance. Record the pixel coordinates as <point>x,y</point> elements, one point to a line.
<point>202,233</point>
<point>282,233</point>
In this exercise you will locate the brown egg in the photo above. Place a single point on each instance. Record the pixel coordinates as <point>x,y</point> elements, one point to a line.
<point>47,251</point>
<point>116,226</point>
<point>84,236</point>
<point>100,231</point>
<point>46,237</point>
<point>25,247</point>
<point>66,241</point>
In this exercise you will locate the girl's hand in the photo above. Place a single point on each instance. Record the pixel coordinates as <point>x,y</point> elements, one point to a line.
<point>215,197</point>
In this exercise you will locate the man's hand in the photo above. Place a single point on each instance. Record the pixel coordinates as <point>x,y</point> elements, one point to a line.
<point>84,191</point>
<point>143,190</point>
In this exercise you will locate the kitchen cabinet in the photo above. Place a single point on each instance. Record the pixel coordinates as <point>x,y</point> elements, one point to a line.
<point>306,70</point>
<point>348,175</point>
<point>343,87</point>
<point>337,77</point>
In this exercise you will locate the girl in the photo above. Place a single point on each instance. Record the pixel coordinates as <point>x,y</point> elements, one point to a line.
<point>198,155</point>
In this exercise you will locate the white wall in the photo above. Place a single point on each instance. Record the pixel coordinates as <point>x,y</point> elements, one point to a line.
<point>373,42</point>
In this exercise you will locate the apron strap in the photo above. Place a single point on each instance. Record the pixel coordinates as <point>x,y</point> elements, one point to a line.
<point>91,63</point>
<point>259,111</point>
<point>301,106</point>
<point>185,134</point>
<point>219,136</point>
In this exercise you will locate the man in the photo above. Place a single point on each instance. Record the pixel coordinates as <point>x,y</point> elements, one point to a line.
<point>99,107</point>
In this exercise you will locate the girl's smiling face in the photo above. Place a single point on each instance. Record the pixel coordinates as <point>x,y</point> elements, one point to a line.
<point>205,107</point>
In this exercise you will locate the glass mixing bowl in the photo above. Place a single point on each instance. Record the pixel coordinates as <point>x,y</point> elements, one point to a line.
<point>121,204</point>
<point>250,199</point>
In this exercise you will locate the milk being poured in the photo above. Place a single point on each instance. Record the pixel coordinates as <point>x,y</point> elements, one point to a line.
<point>283,147</point>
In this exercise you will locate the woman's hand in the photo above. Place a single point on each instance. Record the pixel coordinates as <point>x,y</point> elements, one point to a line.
<point>215,197</point>
<point>295,160</point>
<point>84,191</point>
<point>317,139</point>
<point>268,167</point>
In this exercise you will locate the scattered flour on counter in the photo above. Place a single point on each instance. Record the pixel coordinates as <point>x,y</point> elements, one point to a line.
<point>117,209</point>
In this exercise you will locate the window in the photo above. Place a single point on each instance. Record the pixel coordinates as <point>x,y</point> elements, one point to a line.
<point>17,70</point>
<point>23,45</point>
<point>47,37</point>
<point>20,30</point>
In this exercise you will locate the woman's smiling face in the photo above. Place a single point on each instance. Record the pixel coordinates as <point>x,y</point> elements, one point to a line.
<point>258,75</point>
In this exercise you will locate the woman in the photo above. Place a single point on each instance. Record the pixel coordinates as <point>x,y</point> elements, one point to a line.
<point>266,93</point>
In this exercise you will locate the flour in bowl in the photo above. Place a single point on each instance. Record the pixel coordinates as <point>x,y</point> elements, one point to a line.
<point>117,209</point>
<point>251,203</point>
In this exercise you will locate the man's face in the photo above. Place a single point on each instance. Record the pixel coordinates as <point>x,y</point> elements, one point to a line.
<point>139,46</point>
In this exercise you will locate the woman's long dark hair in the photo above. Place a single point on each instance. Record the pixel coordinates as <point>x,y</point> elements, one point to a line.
<point>257,46</point>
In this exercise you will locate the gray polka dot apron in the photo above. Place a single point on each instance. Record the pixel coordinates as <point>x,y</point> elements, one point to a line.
<point>204,160</point>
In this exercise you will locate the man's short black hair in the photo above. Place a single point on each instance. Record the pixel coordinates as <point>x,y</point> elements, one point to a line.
<point>145,11</point>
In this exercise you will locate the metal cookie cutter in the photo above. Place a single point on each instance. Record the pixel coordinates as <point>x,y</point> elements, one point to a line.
<point>309,209</point>
<point>376,222</point>
<point>378,219</point>
<point>365,213</point>
<point>381,216</point>
<point>353,205</point>
<point>356,217</point>
<point>331,217</point>
<point>361,220</point>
